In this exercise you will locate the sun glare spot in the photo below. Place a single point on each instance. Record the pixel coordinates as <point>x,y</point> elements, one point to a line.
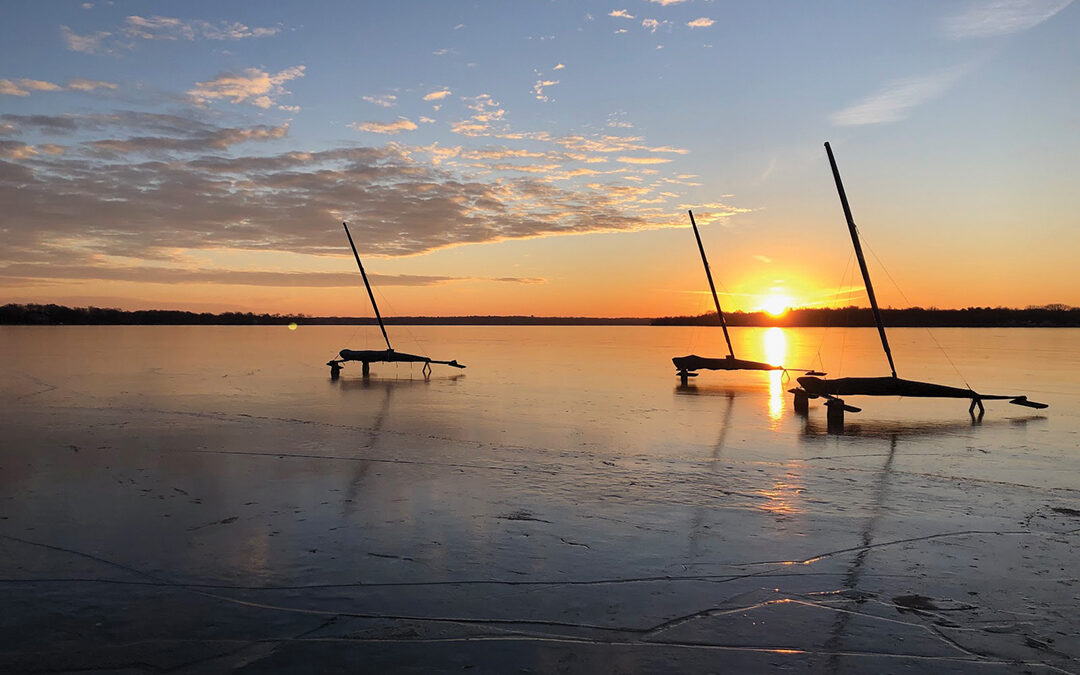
<point>292,326</point>
<point>776,305</point>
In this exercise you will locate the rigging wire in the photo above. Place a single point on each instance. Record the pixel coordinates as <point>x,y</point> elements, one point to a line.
<point>927,328</point>
<point>825,333</point>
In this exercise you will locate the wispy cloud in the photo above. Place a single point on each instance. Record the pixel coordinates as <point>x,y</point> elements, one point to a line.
<point>253,86</point>
<point>159,28</point>
<point>896,100</point>
<point>1000,17</point>
<point>437,95</point>
<point>23,87</point>
<point>160,274</point>
<point>171,28</point>
<point>665,3</point>
<point>620,14</point>
<point>91,43</point>
<point>384,100</point>
<point>541,84</point>
<point>703,22</point>
<point>397,126</point>
<point>643,160</point>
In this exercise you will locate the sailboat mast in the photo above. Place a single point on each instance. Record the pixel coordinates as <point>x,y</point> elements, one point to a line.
<point>368,286</point>
<point>712,287</point>
<point>862,259</point>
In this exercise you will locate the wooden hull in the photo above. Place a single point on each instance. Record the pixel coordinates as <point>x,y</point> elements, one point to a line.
<point>694,362</point>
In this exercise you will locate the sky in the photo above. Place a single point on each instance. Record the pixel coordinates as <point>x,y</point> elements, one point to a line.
<point>537,157</point>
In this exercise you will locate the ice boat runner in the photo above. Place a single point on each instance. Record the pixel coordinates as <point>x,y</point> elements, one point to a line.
<point>369,356</point>
<point>687,364</point>
<point>831,390</point>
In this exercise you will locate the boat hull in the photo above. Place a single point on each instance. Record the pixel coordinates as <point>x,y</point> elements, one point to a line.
<point>881,386</point>
<point>694,362</point>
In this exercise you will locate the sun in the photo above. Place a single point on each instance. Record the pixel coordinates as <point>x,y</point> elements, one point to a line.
<point>776,305</point>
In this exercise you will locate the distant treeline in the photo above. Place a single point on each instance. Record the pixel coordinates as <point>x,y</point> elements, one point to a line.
<point>974,317</point>
<point>13,314</point>
<point>1046,315</point>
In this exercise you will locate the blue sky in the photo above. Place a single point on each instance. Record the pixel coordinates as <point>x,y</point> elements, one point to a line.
<point>203,154</point>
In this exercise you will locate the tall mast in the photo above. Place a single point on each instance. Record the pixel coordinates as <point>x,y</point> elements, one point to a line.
<point>712,287</point>
<point>368,286</point>
<point>862,260</point>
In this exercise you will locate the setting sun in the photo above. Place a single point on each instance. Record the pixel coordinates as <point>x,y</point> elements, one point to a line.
<point>776,304</point>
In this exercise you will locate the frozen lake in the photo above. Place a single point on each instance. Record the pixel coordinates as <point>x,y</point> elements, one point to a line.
<point>204,498</point>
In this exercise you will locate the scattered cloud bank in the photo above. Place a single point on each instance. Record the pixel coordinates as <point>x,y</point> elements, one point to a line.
<point>896,100</point>
<point>141,188</point>
<point>1000,17</point>
<point>124,37</point>
<point>253,86</point>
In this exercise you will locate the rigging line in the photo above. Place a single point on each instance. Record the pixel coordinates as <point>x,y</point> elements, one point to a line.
<point>828,320</point>
<point>926,328</point>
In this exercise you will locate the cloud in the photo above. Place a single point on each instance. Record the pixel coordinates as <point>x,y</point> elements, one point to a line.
<point>170,28</point>
<point>896,100</point>
<point>87,44</point>
<point>1000,17</point>
<point>399,125</point>
<point>148,132</point>
<point>559,67</point>
<point>541,84</point>
<point>9,88</point>
<point>158,274</point>
<point>23,87</point>
<point>219,139</point>
<point>650,25</point>
<point>621,14</point>
<point>703,22</point>
<point>16,150</point>
<point>66,209</point>
<point>762,258</point>
<point>253,86</point>
<point>665,3</point>
<point>39,85</point>
<point>79,84</point>
<point>437,95</point>
<point>384,100</point>
<point>643,160</point>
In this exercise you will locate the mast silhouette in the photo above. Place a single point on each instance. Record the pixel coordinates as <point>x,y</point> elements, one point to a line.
<point>712,286</point>
<point>862,259</point>
<point>367,285</point>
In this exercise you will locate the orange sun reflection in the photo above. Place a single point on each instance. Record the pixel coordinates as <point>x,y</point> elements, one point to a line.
<point>776,354</point>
